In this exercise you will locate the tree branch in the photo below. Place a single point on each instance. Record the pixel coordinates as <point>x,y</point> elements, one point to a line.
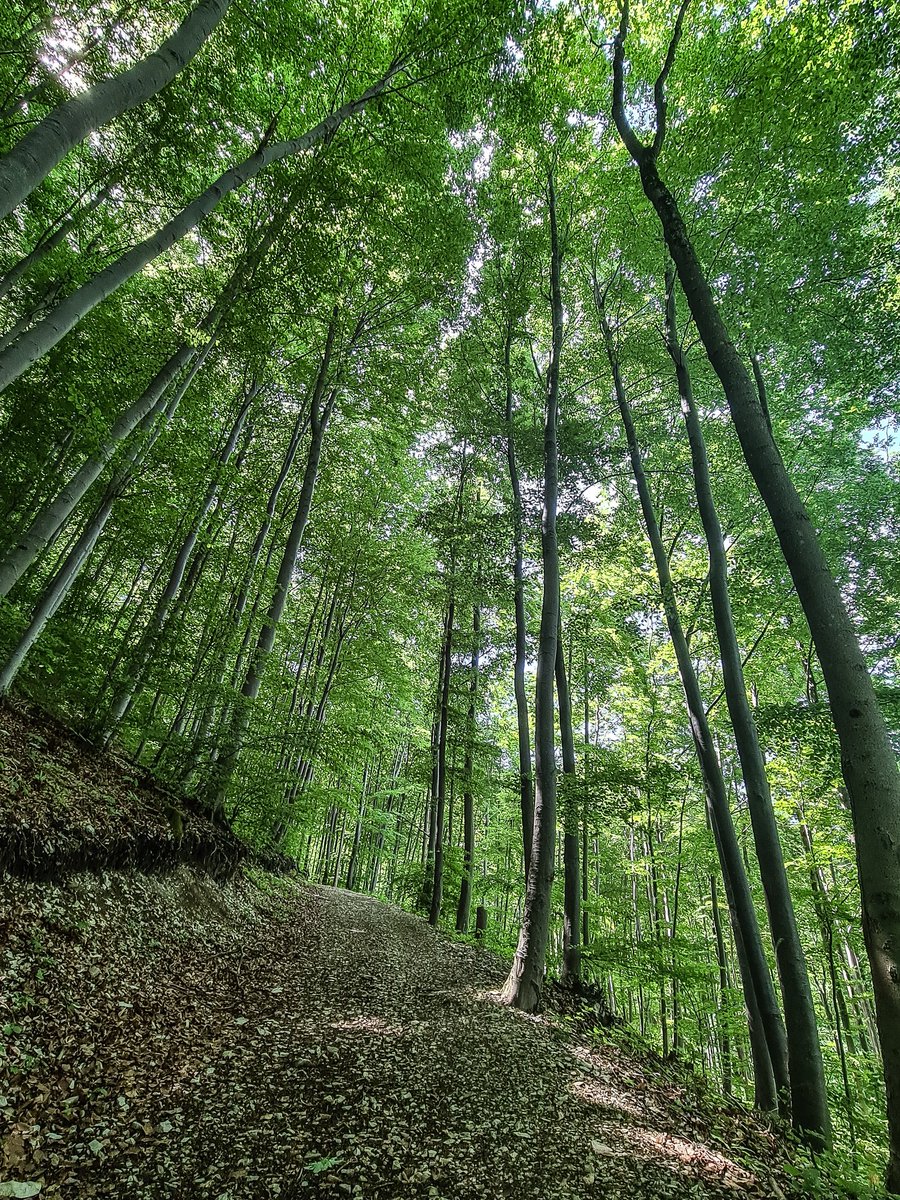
<point>633,143</point>
<point>659,88</point>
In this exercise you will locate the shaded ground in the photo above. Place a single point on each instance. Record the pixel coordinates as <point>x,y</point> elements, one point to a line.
<point>171,1037</point>
<point>66,806</point>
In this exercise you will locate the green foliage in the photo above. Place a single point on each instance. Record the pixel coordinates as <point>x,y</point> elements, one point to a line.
<point>420,232</point>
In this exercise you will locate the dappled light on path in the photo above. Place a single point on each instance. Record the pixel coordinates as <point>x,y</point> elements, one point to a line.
<point>236,1043</point>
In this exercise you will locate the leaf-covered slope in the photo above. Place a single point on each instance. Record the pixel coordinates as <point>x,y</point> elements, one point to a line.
<point>66,806</point>
<point>170,1036</point>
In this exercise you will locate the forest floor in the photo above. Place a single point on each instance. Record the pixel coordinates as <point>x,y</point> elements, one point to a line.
<point>168,1034</point>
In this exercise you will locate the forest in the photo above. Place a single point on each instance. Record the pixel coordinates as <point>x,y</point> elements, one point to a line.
<point>455,446</point>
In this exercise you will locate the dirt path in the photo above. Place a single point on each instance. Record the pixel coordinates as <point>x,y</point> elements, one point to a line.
<point>169,1038</point>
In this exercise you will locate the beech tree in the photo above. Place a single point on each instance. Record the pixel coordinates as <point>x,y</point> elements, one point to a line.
<point>457,445</point>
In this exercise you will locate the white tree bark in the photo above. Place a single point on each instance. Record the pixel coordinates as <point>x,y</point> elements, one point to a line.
<point>35,156</point>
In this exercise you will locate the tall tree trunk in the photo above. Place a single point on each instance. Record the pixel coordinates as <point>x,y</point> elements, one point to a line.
<point>809,1099</point>
<point>30,544</point>
<point>236,609</point>
<point>465,886</point>
<point>43,337</point>
<point>525,982</point>
<point>585,874</point>
<point>156,626</point>
<point>868,761</point>
<point>526,779</point>
<point>437,885</point>
<point>440,779</point>
<point>35,156</point>
<point>152,425</point>
<point>320,415</point>
<point>724,1034</point>
<point>53,238</point>
<point>187,356</point>
<point>758,988</point>
<point>568,804</point>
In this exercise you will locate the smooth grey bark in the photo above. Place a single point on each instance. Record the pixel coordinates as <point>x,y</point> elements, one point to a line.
<point>49,520</point>
<point>463,907</point>
<point>430,827</point>
<point>437,882</point>
<point>54,238</point>
<point>357,831</point>
<point>38,305</point>
<point>236,609</point>
<point>585,874</point>
<point>526,777</point>
<point>313,716</point>
<point>39,151</point>
<point>758,988</point>
<point>809,1099</point>
<point>30,544</point>
<point>320,410</point>
<point>868,761</point>
<point>568,804</point>
<point>149,642</point>
<point>60,585</point>
<point>525,981</point>
<point>433,886</point>
<point>44,336</point>
<point>722,962</point>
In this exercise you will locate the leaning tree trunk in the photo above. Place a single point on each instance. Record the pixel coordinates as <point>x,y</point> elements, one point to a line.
<point>319,417</point>
<point>60,585</point>
<point>868,761</point>
<point>758,988</point>
<point>35,156</point>
<point>50,519</point>
<point>525,981</point>
<point>809,1099</point>
<point>13,274</point>
<point>43,337</point>
<point>236,609</point>
<point>148,645</point>
<point>571,961</point>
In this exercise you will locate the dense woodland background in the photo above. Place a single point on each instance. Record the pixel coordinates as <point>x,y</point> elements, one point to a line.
<point>277,451</point>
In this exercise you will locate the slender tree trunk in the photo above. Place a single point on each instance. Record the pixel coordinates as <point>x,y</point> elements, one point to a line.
<point>465,887</point>
<point>758,988</point>
<point>236,610</point>
<point>155,631</point>
<point>437,887</point>
<point>440,776</point>
<point>868,761</point>
<point>357,832</point>
<point>43,337</point>
<point>319,418</point>
<point>585,872</point>
<point>525,982</point>
<point>809,1100</point>
<point>35,156</point>
<point>49,520</point>
<point>526,779</point>
<point>724,1035</point>
<point>568,804</point>
<point>58,588</point>
<point>54,238</point>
